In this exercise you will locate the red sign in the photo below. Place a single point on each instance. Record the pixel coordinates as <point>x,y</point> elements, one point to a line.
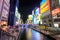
<point>55,11</point>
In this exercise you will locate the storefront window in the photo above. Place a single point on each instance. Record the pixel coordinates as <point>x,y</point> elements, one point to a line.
<point>57,20</point>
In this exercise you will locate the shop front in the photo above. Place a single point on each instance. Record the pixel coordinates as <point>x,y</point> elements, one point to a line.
<point>56,17</point>
<point>45,11</point>
<point>46,18</point>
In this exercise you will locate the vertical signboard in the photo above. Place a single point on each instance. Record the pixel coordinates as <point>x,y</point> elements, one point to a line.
<point>45,6</point>
<point>37,11</point>
<point>5,10</point>
<point>33,16</point>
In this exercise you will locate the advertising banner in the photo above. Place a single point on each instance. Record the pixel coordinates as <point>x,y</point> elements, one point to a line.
<point>5,10</point>
<point>55,11</point>
<point>45,7</point>
<point>43,3</point>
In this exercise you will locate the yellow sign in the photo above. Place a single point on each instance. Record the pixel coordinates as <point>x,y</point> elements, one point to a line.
<point>30,17</point>
<point>45,9</point>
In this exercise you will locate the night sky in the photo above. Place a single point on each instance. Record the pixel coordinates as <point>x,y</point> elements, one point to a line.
<point>26,7</point>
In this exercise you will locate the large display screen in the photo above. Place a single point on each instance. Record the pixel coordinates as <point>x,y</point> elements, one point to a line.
<point>46,6</point>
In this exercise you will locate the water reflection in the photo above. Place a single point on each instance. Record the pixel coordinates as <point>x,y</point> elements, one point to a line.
<point>30,34</point>
<point>33,35</point>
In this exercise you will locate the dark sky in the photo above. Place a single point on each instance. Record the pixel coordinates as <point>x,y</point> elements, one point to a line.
<point>26,7</point>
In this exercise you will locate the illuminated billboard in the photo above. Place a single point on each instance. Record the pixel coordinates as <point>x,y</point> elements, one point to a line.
<point>30,17</point>
<point>37,11</point>
<point>44,7</point>
<point>55,11</point>
<point>43,3</point>
<point>5,10</point>
<point>36,16</point>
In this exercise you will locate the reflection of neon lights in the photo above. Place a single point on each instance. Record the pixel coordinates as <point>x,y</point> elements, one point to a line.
<point>36,35</point>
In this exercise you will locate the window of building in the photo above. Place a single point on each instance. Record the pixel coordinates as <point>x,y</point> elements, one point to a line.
<point>54,4</point>
<point>57,20</point>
